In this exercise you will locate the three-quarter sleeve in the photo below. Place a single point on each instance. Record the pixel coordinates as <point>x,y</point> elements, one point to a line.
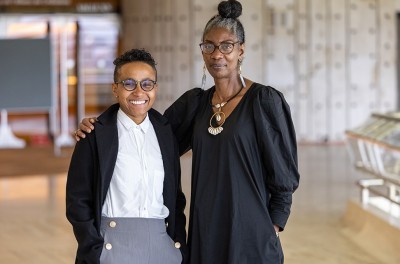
<point>277,140</point>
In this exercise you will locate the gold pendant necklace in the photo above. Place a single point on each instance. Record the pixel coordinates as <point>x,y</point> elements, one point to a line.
<point>219,115</point>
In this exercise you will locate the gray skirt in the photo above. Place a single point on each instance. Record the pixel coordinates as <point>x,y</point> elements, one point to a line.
<point>137,241</point>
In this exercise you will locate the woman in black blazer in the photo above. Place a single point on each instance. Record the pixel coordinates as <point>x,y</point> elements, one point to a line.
<point>94,166</point>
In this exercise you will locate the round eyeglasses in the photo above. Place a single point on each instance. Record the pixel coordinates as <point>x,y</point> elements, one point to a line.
<point>224,47</point>
<point>131,84</point>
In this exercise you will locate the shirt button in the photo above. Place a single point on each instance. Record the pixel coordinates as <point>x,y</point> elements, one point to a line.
<point>177,245</point>
<point>113,224</point>
<point>108,246</point>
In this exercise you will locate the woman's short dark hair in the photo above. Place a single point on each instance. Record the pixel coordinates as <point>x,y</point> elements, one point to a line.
<point>133,55</point>
<point>228,13</point>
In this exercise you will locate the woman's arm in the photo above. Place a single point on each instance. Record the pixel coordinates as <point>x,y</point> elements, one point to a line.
<point>277,139</point>
<point>80,200</point>
<point>181,115</point>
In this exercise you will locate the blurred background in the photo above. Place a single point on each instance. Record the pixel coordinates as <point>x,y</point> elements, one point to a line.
<point>336,62</point>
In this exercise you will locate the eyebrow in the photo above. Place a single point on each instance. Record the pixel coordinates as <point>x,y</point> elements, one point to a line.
<point>225,41</point>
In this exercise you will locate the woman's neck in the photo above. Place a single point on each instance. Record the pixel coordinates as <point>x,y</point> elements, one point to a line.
<point>225,89</point>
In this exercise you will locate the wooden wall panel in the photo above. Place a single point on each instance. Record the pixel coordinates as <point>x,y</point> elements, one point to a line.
<point>301,107</point>
<point>319,70</point>
<point>137,25</point>
<point>253,23</point>
<point>386,56</point>
<point>164,49</point>
<point>279,43</point>
<point>337,65</point>
<point>163,27</point>
<point>203,11</point>
<point>182,61</point>
<point>334,60</point>
<point>362,57</point>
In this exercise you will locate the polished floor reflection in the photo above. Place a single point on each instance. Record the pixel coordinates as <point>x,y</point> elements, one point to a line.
<point>34,229</point>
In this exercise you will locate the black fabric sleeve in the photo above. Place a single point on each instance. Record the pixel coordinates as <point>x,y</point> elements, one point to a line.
<point>277,139</point>
<point>180,218</point>
<point>181,115</point>
<point>80,200</point>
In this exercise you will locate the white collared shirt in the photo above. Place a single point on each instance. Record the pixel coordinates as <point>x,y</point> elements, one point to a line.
<point>136,187</point>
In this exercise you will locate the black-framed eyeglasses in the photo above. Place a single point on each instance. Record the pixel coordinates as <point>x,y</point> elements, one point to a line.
<point>130,84</point>
<point>224,47</point>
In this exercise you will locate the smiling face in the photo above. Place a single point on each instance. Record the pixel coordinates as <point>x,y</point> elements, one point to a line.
<point>222,65</point>
<point>135,103</point>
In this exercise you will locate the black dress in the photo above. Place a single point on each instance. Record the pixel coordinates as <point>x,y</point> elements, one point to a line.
<point>242,179</point>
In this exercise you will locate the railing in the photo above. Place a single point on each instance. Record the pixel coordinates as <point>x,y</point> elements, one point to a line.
<point>375,151</point>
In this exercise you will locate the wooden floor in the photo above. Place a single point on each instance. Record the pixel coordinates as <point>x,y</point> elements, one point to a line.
<point>34,229</point>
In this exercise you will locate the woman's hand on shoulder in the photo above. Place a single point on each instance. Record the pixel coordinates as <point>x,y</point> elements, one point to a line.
<point>85,126</point>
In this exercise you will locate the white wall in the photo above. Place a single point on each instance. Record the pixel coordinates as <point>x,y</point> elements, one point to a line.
<point>334,60</point>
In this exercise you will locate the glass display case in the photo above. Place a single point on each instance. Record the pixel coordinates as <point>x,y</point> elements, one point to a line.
<point>375,150</point>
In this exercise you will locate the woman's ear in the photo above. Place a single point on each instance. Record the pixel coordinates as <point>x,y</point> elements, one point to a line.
<point>241,51</point>
<point>114,88</point>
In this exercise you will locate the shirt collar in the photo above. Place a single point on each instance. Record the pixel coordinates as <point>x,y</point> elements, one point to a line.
<point>129,123</point>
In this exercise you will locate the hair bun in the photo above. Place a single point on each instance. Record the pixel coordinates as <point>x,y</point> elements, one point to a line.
<point>230,9</point>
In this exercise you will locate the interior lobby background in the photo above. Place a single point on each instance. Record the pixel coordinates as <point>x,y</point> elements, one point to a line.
<point>334,60</point>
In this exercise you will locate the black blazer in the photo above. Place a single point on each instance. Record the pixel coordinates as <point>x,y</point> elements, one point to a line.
<point>89,175</point>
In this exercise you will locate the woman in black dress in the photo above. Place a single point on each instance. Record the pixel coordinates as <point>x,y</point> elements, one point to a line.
<point>244,165</point>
